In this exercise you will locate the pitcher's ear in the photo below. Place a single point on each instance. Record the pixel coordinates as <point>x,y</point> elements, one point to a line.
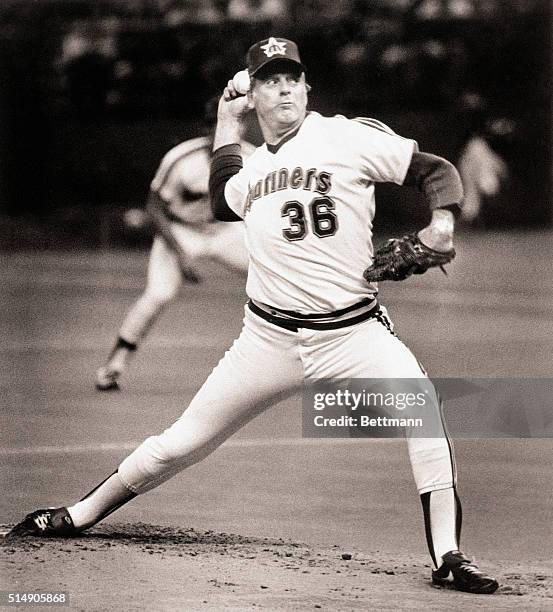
<point>308,87</point>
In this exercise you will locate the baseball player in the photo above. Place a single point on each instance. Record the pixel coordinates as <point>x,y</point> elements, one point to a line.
<point>484,173</point>
<point>306,197</point>
<point>185,232</point>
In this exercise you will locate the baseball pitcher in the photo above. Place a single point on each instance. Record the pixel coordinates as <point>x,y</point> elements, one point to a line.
<point>306,198</point>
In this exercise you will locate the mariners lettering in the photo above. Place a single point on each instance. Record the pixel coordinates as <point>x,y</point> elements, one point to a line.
<point>296,178</point>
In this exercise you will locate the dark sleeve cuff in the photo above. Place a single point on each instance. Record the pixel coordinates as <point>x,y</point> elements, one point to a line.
<point>453,208</point>
<point>437,179</point>
<point>225,163</point>
<point>230,149</point>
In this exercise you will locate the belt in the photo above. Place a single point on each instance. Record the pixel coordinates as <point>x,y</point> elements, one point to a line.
<point>295,321</point>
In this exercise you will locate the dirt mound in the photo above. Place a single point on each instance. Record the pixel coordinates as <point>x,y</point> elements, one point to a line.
<point>140,566</point>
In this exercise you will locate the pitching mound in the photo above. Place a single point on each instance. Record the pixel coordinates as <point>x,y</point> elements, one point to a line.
<point>149,567</point>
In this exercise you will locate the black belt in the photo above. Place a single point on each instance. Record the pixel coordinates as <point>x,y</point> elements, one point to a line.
<point>295,324</point>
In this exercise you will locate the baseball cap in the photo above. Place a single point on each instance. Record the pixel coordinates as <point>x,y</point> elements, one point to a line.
<point>266,51</point>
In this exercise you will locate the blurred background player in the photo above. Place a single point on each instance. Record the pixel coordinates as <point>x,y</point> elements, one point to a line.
<point>185,231</point>
<point>483,160</point>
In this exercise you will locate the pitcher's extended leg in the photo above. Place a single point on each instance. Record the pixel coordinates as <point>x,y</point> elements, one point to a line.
<point>261,368</point>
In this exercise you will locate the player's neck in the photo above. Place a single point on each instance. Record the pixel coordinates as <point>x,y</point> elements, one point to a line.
<point>273,134</point>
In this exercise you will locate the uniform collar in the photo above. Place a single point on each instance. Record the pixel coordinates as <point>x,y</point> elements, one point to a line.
<point>274,148</point>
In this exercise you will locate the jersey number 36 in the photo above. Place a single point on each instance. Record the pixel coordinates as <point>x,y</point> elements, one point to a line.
<point>324,222</point>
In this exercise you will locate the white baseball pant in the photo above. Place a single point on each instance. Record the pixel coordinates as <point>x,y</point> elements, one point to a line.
<point>267,364</point>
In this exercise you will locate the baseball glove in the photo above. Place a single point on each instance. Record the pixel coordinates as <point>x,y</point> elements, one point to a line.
<point>398,258</point>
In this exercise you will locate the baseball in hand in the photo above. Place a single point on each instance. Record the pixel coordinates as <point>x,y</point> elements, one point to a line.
<point>241,82</point>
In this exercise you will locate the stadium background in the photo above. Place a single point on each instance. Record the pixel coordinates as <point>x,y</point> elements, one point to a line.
<point>94,92</point>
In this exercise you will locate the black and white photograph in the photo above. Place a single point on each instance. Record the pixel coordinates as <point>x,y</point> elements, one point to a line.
<point>276,305</point>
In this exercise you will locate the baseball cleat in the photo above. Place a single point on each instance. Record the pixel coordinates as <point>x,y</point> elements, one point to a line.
<point>465,575</point>
<point>106,379</point>
<point>50,522</point>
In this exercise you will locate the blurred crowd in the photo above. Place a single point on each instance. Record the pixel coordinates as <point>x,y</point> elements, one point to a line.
<point>82,63</point>
<point>165,56</point>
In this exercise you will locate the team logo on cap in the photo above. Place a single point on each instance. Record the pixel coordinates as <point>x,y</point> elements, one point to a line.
<point>274,47</point>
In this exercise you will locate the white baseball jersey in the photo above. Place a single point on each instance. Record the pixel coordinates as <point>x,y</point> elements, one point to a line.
<point>182,180</point>
<point>308,205</point>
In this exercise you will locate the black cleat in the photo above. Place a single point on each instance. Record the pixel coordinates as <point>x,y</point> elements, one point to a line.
<point>51,522</point>
<point>465,575</point>
<point>107,379</point>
